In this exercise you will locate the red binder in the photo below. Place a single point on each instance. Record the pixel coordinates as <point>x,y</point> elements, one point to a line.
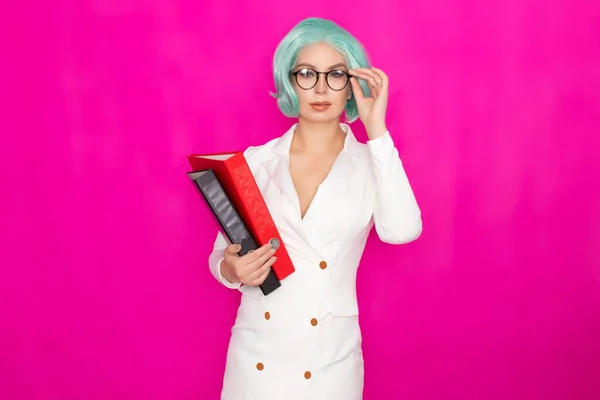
<point>233,172</point>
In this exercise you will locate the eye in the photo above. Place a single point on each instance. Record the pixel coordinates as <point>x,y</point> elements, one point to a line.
<point>307,73</point>
<point>337,74</point>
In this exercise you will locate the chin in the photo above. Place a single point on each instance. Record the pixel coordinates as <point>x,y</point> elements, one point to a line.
<point>321,116</point>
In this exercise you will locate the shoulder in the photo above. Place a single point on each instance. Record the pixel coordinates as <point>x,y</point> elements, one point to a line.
<point>262,150</point>
<point>260,153</point>
<point>377,149</point>
<point>359,151</point>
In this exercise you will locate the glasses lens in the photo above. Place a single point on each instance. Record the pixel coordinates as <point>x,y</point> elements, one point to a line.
<point>306,78</point>
<point>337,80</point>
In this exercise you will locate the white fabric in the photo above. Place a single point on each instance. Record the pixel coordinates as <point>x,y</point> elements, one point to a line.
<point>367,186</point>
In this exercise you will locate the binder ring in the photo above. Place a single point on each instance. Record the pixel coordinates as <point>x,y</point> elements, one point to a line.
<point>275,243</point>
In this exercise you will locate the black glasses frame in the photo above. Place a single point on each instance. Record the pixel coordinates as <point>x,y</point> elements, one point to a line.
<point>295,74</point>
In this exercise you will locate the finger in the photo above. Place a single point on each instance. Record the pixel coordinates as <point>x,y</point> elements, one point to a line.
<point>260,279</point>
<point>363,72</point>
<point>370,72</point>
<point>382,80</point>
<point>233,249</point>
<point>262,259</point>
<point>262,270</point>
<point>382,75</point>
<point>265,269</point>
<point>366,77</point>
<point>357,89</point>
<point>266,266</point>
<point>259,252</point>
<point>371,83</point>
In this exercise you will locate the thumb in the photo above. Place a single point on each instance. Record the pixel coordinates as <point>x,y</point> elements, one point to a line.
<point>357,90</point>
<point>234,248</point>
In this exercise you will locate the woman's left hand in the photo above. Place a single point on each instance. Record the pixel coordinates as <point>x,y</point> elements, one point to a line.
<point>371,110</point>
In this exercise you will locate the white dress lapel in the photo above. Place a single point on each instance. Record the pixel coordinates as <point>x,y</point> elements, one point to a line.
<point>330,197</point>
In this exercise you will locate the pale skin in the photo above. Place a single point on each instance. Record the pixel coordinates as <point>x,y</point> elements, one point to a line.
<point>317,141</point>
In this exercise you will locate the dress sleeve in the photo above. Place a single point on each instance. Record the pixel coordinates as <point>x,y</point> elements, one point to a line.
<point>216,257</point>
<point>396,213</point>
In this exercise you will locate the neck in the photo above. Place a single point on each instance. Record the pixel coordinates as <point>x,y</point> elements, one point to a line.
<point>318,137</point>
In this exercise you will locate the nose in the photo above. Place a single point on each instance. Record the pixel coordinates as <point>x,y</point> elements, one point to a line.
<point>321,87</point>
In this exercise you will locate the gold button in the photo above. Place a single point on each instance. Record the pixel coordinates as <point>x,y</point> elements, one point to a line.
<point>307,375</point>
<point>323,265</point>
<point>260,366</point>
<point>314,322</point>
<point>267,315</point>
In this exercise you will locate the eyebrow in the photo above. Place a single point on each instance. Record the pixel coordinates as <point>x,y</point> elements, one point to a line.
<point>312,66</point>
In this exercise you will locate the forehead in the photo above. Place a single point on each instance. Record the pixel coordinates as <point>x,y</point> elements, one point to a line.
<point>321,55</point>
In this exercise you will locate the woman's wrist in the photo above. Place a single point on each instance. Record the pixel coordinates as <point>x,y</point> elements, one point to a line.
<point>226,272</point>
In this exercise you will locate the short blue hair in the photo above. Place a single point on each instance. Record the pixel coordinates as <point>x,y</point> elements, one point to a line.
<point>305,33</point>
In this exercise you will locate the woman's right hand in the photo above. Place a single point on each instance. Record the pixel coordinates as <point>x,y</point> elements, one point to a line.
<point>251,269</point>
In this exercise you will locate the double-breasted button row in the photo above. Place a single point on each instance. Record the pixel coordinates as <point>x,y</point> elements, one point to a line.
<point>313,321</point>
<point>260,366</point>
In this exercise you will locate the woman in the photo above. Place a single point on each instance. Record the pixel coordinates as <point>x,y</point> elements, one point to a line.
<point>325,192</point>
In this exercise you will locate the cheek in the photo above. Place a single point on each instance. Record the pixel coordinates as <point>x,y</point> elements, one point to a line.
<point>341,98</point>
<point>303,95</point>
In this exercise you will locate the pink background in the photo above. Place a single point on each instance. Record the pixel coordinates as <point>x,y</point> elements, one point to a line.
<point>105,291</point>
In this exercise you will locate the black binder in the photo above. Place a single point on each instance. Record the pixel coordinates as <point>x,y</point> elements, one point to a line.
<point>230,220</point>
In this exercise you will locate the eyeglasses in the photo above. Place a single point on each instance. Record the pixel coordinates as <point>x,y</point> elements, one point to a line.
<point>307,78</point>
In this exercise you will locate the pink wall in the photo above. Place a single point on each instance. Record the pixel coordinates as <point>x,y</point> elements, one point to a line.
<point>105,291</point>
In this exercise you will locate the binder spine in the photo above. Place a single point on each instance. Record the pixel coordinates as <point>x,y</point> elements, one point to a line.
<point>230,220</point>
<point>253,199</point>
<point>263,224</point>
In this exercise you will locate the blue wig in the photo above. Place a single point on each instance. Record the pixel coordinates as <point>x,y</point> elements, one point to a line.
<point>308,32</point>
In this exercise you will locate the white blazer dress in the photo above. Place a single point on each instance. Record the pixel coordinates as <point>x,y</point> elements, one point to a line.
<point>303,341</point>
